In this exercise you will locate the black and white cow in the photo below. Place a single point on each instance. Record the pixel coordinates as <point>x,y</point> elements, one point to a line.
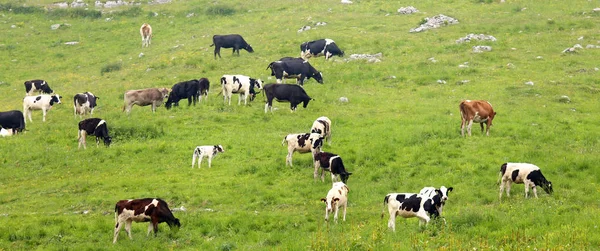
<point>12,121</point>
<point>431,191</point>
<point>153,210</point>
<point>523,173</point>
<point>294,94</point>
<point>336,197</point>
<point>332,163</point>
<point>234,41</point>
<point>204,88</point>
<point>206,151</point>
<point>322,125</point>
<point>41,102</point>
<point>320,47</point>
<point>410,205</point>
<point>244,85</point>
<point>190,90</point>
<point>294,68</point>
<point>96,127</point>
<point>37,85</point>
<point>302,143</point>
<point>84,103</point>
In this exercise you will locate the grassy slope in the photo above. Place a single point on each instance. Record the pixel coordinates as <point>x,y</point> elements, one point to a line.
<point>395,134</point>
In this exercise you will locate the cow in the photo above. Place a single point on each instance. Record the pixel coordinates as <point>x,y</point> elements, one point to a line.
<point>320,47</point>
<point>41,102</point>
<point>146,32</point>
<point>37,85</point>
<point>234,41</point>
<point>330,162</point>
<point>298,68</point>
<point>322,125</point>
<point>209,151</point>
<point>144,97</point>
<point>410,205</point>
<point>154,210</point>
<point>523,173</point>
<point>204,88</point>
<point>241,84</point>
<point>478,111</point>
<point>96,127</point>
<point>336,197</point>
<point>302,143</point>
<point>12,121</point>
<point>431,191</point>
<point>190,90</point>
<point>84,103</point>
<point>294,94</point>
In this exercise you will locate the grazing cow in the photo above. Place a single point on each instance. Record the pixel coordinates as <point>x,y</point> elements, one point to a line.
<point>146,32</point>
<point>234,41</point>
<point>84,102</point>
<point>241,84</point>
<point>431,191</point>
<point>38,85</point>
<point>322,126</point>
<point>478,111</point>
<point>320,47</point>
<point>285,93</point>
<point>336,197</point>
<point>410,205</point>
<point>209,151</point>
<point>96,127</point>
<point>204,88</point>
<point>142,210</point>
<point>144,97</point>
<point>330,162</point>
<point>294,68</point>
<point>302,143</point>
<point>13,121</point>
<point>191,90</point>
<point>41,102</point>
<point>523,173</point>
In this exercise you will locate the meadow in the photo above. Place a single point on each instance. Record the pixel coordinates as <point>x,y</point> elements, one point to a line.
<point>399,132</point>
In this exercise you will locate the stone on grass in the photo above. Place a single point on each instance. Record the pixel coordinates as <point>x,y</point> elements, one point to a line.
<point>481,48</point>
<point>481,37</point>
<point>435,22</point>
<point>564,99</point>
<point>407,10</point>
<point>343,100</point>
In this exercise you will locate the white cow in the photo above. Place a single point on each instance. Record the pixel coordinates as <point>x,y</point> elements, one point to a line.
<point>146,32</point>
<point>209,151</point>
<point>523,173</point>
<point>241,84</point>
<point>303,143</point>
<point>336,197</point>
<point>410,205</point>
<point>322,126</point>
<point>40,102</point>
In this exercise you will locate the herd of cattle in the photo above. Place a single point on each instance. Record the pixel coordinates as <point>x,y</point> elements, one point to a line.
<point>425,205</point>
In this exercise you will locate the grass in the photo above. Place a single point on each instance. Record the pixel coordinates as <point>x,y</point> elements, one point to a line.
<point>395,134</point>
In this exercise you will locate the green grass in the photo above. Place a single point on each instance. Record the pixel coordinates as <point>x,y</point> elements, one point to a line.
<point>395,134</point>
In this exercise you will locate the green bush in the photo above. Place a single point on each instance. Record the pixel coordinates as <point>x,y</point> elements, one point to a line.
<point>20,9</point>
<point>220,10</point>
<point>74,13</point>
<point>111,67</point>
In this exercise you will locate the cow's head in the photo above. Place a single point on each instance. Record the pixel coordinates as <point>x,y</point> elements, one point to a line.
<point>547,186</point>
<point>174,223</point>
<point>255,83</point>
<point>170,100</point>
<point>444,193</point>
<point>107,141</point>
<point>305,102</point>
<point>319,77</point>
<point>249,48</point>
<point>164,92</point>
<point>316,141</point>
<point>91,98</point>
<point>218,149</point>
<point>55,99</point>
<point>330,203</point>
<point>344,176</point>
<point>45,88</point>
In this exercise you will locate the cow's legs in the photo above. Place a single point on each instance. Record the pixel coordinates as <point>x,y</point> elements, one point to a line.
<point>288,159</point>
<point>200,160</point>
<point>150,228</point>
<point>336,208</point>
<point>153,106</point>
<point>392,220</point>
<point>501,189</point>
<point>508,184</point>
<point>128,228</point>
<point>534,191</point>
<point>469,127</point>
<point>345,207</point>
<point>44,115</point>
<point>217,51</point>
<point>81,138</point>
<point>210,160</point>
<point>194,156</point>
<point>317,166</point>
<point>487,128</point>
<point>118,226</point>
<point>462,127</point>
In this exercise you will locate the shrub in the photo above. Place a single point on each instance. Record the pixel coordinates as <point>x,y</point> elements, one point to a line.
<point>20,9</point>
<point>220,10</point>
<point>131,12</point>
<point>111,67</point>
<point>75,13</point>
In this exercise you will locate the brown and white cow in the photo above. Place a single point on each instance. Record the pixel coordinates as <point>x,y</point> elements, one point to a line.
<point>144,97</point>
<point>478,111</point>
<point>336,197</point>
<point>146,32</point>
<point>153,210</point>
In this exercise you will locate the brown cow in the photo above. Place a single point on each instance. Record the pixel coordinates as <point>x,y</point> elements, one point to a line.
<point>144,97</point>
<point>146,32</point>
<point>478,111</point>
<point>142,210</point>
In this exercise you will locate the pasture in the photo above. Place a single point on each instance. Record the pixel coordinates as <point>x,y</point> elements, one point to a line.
<point>399,132</point>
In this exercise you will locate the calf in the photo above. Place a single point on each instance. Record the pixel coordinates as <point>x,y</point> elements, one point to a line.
<point>320,47</point>
<point>336,197</point>
<point>12,121</point>
<point>294,94</point>
<point>84,103</point>
<point>146,32</point>
<point>332,163</point>
<point>523,173</point>
<point>410,205</point>
<point>41,102</point>
<point>241,84</point>
<point>144,97</point>
<point>478,111</point>
<point>209,151</point>
<point>189,90</point>
<point>322,126</point>
<point>38,85</point>
<point>142,210</point>
<point>302,143</point>
<point>431,191</point>
<point>96,127</point>
<point>298,68</point>
<point>234,41</point>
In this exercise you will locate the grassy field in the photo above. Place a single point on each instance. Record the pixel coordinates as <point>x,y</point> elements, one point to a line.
<point>399,131</point>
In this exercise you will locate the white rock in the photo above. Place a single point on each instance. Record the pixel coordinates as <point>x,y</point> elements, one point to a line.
<point>539,57</point>
<point>529,83</point>
<point>435,22</point>
<point>54,26</point>
<point>13,26</point>
<point>304,28</point>
<point>472,36</point>
<point>343,99</point>
<point>564,99</point>
<point>190,15</point>
<point>407,10</point>
<point>346,1</point>
<point>72,43</point>
<point>141,55</point>
<point>433,60</point>
<point>481,48</point>
<point>440,81</point>
<point>321,24</point>
<point>596,9</point>
<point>580,38</point>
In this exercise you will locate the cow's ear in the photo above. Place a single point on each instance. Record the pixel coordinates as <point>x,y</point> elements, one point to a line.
<point>336,199</point>
<point>450,189</point>
<point>324,200</point>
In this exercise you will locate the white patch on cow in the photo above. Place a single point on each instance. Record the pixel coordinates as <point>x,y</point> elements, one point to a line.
<point>479,119</point>
<point>100,123</point>
<point>4,132</point>
<point>328,41</point>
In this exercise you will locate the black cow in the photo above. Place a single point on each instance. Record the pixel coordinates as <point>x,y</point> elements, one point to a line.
<point>320,47</point>
<point>189,90</point>
<point>37,85</point>
<point>234,41</point>
<point>333,163</point>
<point>294,94</point>
<point>204,88</point>
<point>96,127</point>
<point>84,102</point>
<point>294,68</point>
<point>12,120</point>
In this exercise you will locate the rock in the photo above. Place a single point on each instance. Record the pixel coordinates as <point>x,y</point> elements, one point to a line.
<point>346,1</point>
<point>510,65</point>
<point>580,38</point>
<point>304,28</point>
<point>433,60</point>
<point>190,15</point>
<point>462,82</point>
<point>321,24</point>
<point>371,58</point>
<point>564,99</point>
<point>481,48</point>
<point>78,4</point>
<point>435,22</point>
<point>407,10</point>
<point>529,83</point>
<point>596,9</point>
<point>55,26</point>
<point>539,57</point>
<point>141,55</point>
<point>343,100</point>
<point>481,37</point>
<point>14,26</point>
<point>72,43</point>
<point>440,81</point>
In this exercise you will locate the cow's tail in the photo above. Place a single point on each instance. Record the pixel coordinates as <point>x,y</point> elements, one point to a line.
<point>212,45</point>
<point>501,173</point>
<point>284,140</point>
<point>385,202</point>
<point>270,66</point>
<point>462,109</point>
